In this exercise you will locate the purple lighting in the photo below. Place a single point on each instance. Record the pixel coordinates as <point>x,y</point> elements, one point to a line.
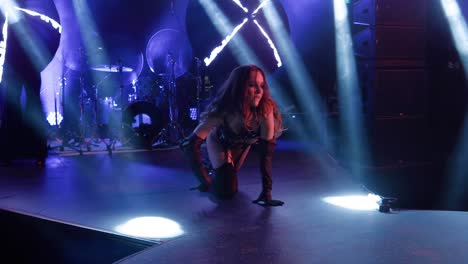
<point>272,45</point>
<point>214,53</point>
<point>45,18</point>
<point>225,41</point>
<point>241,6</point>
<point>166,48</point>
<point>3,47</point>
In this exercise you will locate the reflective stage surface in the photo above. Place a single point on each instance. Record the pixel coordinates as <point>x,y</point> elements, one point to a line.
<point>146,195</point>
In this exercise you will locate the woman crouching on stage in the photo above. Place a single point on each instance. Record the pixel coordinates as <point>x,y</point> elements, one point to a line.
<point>242,113</point>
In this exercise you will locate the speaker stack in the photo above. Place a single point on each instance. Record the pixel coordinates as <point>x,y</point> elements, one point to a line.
<point>390,39</point>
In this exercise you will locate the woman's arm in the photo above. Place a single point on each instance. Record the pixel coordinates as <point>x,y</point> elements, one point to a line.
<point>267,127</point>
<point>191,146</point>
<point>266,148</point>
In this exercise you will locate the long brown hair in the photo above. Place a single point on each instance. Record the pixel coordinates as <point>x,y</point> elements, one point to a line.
<point>231,98</point>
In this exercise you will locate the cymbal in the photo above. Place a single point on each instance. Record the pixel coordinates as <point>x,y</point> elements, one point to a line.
<point>167,48</point>
<point>110,68</point>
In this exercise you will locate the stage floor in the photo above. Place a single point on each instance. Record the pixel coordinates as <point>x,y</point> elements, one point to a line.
<point>103,192</point>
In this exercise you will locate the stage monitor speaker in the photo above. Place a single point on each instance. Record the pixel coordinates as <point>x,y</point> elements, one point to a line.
<point>390,12</point>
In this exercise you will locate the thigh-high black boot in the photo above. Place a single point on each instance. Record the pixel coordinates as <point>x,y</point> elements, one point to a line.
<point>225,182</point>
<point>191,147</point>
<point>266,149</point>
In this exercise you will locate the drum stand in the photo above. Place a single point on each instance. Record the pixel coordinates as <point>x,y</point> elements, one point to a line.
<point>173,132</point>
<point>121,125</point>
<point>63,134</point>
<point>96,128</point>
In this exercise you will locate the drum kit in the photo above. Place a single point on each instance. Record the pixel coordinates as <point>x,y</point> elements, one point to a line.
<point>145,110</point>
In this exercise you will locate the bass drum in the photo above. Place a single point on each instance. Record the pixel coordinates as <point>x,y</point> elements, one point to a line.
<point>142,123</point>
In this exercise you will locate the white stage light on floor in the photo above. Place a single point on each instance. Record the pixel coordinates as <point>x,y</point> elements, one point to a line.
<point>355,202</point>
<point>150,227</point>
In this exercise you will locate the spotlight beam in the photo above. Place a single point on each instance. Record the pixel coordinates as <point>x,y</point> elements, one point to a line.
<point>304,86</point>
<point>225,41</point>
<point>241,6</point>
<point>458,29</point>
<point>262,4</point>
<point>241,50</point>
<point>35,49</point>
<point>91,42</point>
<point>270,42</point>
<point>348,90</point>
<point>457,168</point>
<point>3,46</point>
<point>11,16</point>
<point>87,27</point>
<point>221,24</point>
<point>8,9</point>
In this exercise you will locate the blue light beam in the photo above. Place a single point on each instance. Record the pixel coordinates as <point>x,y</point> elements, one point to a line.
<point>3,46</point>
<point>243,53</point>
<point>241,50</point>
<point>12,16</point>
<point>458,29</point>
<point>260,6</point>
<point>241,6</point>
<point>225,41</point>
<point>279,63</point>
<point>303,85</point>
<point>457,168</point>
<point>349,94</point>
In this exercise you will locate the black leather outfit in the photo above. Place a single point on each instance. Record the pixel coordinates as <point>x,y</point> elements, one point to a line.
<point>230,139</point>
